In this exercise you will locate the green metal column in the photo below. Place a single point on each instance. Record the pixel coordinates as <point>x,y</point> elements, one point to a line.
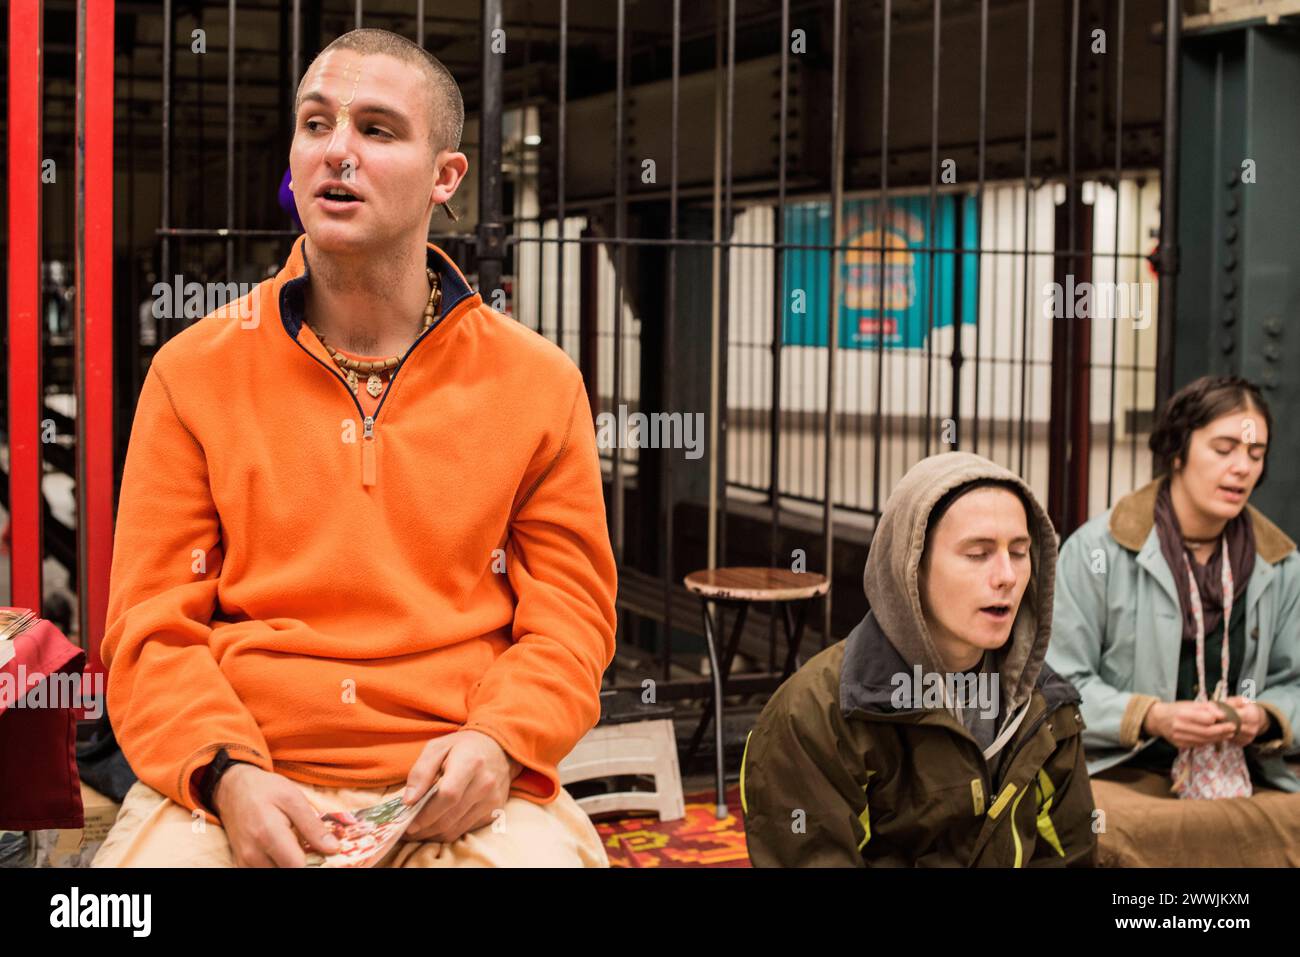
<point>1239,202</point>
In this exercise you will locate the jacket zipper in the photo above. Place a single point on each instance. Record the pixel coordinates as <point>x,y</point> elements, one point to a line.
<point>986,776</point>
<point>368,468</point>
<point>1009,763</point>
<point>1029,735</point>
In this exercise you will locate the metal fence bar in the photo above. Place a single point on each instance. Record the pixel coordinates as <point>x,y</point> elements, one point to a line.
<point>296,30</point>
<point>561,146</point>
<point>1073,200</point>
<point>1133,444</point>
<point>93,363</point>
<point>859,478</point>
<point>525,114</point>
<point>780,297</point>
<point>1167,258</point>
<point>490,230</point>
<point>716,346</point>
<point>832,342</point>
<point>928,426</point>
<point>1114,328</point>
<point>979,219</point>
<point>1062,253</point>
<point>620,271</point>
<point>27,542</point>
<point>881,286</point>
<point>957,357</point>
<point>222,233</point>
<point>168,323</point>
<point>198,14</point>
<point>617,516</point>
<point>134,379</point>
<point>724,277</point>
<point>670,572</point>
<point>1028,187</point>
<point>230,137</point>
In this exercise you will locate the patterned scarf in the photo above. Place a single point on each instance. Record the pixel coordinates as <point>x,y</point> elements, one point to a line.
<point>1241,553</point>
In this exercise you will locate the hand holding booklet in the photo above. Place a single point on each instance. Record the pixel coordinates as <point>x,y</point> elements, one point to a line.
<point>368,834</point>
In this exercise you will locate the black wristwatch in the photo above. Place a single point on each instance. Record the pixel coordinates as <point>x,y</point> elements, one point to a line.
<point>222,763</point>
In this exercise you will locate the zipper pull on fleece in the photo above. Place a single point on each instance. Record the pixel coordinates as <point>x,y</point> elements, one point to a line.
<point>368,452</point>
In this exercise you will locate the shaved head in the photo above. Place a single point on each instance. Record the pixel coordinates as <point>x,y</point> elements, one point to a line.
<point>446,108</point>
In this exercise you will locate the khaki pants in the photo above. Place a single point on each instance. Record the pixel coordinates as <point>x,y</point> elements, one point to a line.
<point>153,831</point>
<point>1147,825</point>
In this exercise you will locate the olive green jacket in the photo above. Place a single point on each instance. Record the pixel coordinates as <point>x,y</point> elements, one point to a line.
<point>834,776</point>
<point>840,771</point>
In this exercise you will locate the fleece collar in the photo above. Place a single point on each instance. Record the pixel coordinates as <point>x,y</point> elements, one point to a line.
<point>871,664</point>
<point>1133,517</point>
<point>291,284</point>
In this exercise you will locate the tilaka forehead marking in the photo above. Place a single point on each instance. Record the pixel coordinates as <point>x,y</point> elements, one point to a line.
<point>343,117</point>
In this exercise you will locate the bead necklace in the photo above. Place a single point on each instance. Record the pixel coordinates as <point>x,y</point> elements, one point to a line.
<point>352,367</point>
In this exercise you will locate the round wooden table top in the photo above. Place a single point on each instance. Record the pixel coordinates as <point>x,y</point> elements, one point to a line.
<point>756,584</point>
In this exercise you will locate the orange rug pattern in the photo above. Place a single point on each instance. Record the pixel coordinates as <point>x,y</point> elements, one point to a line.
<point>697,840</point>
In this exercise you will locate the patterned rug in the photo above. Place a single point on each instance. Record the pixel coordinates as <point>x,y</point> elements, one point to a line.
<point>697,840</point>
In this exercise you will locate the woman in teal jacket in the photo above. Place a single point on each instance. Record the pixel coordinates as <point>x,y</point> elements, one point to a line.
<point>1124,633</point>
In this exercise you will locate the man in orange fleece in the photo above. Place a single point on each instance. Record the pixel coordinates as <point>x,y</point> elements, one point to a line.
<point>361,545</point>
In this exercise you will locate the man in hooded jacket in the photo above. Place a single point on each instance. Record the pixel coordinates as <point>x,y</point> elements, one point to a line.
<point>846,767</point>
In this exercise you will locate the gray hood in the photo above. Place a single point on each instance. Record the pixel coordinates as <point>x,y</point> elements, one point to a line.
<point>891,576</point>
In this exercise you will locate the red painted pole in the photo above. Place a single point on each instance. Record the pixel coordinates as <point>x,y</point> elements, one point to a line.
<point>94,349</point>
<point>24,372</point>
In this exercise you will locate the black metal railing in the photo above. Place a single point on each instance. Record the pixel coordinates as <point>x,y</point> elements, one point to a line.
<point>867,206</point>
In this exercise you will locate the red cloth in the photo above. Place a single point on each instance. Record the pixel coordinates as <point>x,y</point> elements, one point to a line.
<point>39,783</point>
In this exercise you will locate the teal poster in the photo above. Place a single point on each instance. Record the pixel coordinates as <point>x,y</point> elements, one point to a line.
<point>886,300</point>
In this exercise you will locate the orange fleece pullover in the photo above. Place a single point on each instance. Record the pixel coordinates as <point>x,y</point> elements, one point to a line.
<point>242,613</point>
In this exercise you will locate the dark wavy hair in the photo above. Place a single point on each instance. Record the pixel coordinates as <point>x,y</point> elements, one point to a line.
<point>1196,405</point>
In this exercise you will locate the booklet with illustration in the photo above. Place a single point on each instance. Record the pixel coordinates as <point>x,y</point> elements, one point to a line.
<point>13,622</point>
<point>367,834</point>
